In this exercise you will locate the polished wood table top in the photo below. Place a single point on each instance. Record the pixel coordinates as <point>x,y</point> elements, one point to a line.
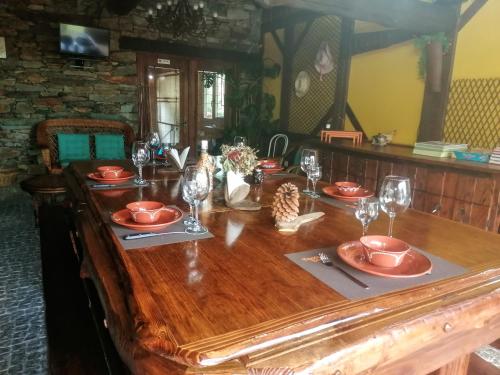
<point>235,301</point>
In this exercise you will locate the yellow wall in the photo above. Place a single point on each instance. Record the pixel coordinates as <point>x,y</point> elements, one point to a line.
<point>385,92</point>
<point>478,47</point>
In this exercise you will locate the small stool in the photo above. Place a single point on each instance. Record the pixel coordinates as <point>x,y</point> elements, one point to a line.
<point>44,189</point>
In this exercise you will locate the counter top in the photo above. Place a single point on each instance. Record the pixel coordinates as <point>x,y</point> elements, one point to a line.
<point>404,153</point>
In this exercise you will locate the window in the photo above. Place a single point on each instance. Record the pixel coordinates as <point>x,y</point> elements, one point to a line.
<point>213,95</point>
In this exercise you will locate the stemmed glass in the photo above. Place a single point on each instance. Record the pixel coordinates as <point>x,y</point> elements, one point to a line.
<point>140,157</point>
<point>240,141</point>
<point>314,173</point>
<point>307,158</point>
<point>195,189</point>
<point>395,197</point>
<point>165,148</point>
<point>366,212</point>
<point>154,144</point>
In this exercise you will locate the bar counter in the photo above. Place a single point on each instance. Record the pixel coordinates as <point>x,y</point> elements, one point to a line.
<point>235,304</point>
<point>462,191</point>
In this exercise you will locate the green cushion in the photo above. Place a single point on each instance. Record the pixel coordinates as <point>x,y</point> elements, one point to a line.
<point>109,147</point>
<point>73,147</point>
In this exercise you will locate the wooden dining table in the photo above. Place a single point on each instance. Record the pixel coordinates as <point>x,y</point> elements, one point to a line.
<point>235,304</point>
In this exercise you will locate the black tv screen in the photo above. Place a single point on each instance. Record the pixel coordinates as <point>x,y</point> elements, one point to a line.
<point>83,41</point>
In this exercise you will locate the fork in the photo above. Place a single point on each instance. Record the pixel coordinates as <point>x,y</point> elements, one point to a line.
<point>325,259</point>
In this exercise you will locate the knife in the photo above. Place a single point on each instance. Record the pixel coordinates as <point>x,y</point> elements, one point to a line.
<point>137,236</point>
<point>102,185</point>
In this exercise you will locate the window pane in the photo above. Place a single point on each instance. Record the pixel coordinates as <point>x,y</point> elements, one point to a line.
<point>207,102</point>
<point>220,92</point>
<point>168,104</point>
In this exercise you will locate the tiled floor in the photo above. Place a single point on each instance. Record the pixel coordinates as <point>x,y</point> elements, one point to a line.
<point>23,341</point>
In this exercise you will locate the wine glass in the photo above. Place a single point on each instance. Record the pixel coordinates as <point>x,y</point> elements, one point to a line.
<point>307,157</point>
<point>240,141</point>
<point>154,143</point>
<point>195,189</point>
<point>366,212</point>
<point>314,173</point>
<point>140,157</point>
<point>394,197</point>
<point>165,148</point>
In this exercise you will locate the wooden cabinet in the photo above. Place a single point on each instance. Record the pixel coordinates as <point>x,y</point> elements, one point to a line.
<point>464,195</point>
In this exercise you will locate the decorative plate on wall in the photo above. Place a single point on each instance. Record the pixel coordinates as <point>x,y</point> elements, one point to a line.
<point>324,60</point>
<point>302,83</point>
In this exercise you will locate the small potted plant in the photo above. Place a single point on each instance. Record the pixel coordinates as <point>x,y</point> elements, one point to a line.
<point>238,162</point>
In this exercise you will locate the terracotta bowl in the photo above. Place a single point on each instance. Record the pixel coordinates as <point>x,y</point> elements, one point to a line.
<point>145,212</point>
<point>384,251</point>
<point>347,188</point>
<point>110,171</point>
<point>269,163</point>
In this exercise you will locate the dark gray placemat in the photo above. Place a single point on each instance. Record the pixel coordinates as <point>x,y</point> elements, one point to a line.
<point>441,269</point>
<point>167,239</point>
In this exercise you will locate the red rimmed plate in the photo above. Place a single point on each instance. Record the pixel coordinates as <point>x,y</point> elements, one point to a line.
<point>168,216</point>
<point>332,191</point>
<point>414,264</point>
<point>125,176</point>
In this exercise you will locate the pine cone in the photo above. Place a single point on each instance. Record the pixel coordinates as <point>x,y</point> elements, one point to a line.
<point>286,203</point>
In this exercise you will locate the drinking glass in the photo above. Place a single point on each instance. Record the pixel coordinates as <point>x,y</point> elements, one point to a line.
<point>314,173</point>
<point>140,157</point>
<point>165,148</point>
<point>307,157</point>
<point>394,197</point>
<point>366,212</point>
<point>154,143</point>
<point>240,141</point>
<point>195,189</point>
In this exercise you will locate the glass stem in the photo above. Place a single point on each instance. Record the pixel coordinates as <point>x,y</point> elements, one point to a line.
<point>191,211</point>
<point>365,229</point>
<point>307,185</point>
<point>196,222</point>
<point>140,172</point>
<point>314,187</point>
<point>392,216</point>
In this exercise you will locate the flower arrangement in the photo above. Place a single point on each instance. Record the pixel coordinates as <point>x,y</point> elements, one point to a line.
<point>239,159</point>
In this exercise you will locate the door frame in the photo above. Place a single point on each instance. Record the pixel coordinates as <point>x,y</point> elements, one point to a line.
<point>190,66</point>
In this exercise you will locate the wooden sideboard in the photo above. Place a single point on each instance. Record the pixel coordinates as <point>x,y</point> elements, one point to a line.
<point>466,192</point>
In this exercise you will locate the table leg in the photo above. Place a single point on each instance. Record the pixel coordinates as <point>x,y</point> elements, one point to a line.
<point>457,367</point>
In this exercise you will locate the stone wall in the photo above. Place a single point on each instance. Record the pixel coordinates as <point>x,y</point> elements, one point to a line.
<point>37,83</point>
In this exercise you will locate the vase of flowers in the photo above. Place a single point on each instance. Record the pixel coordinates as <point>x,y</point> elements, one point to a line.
<point>238,162</point>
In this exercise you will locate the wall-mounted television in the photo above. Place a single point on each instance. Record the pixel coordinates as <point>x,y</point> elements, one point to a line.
<point>83,41</point>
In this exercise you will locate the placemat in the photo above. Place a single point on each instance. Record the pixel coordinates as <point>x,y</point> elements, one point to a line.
<point>441,269</point>
<point>167,239</point>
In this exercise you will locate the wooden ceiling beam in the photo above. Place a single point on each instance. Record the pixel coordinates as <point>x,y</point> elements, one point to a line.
<point>366,42</point>
<point>410,15</point>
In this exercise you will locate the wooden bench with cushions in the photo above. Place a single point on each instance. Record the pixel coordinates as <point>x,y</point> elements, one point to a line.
<point>96,138</point>
<point>73,134</point>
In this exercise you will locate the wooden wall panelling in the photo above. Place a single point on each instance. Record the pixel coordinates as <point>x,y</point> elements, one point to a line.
<point>371,171</point>
<point>326,160</point>
<point>340,163</point>
<point>495,221</point>
<point>384,169</point>
<point>356,170</point>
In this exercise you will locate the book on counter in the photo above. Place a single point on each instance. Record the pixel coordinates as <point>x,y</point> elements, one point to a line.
<point>495,156</point>
<point>437,148</point>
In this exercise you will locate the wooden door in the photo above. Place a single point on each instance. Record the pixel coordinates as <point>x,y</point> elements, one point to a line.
<point>179,103</point>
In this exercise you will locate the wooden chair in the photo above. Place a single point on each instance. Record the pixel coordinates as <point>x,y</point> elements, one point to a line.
<point>46,136</point>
